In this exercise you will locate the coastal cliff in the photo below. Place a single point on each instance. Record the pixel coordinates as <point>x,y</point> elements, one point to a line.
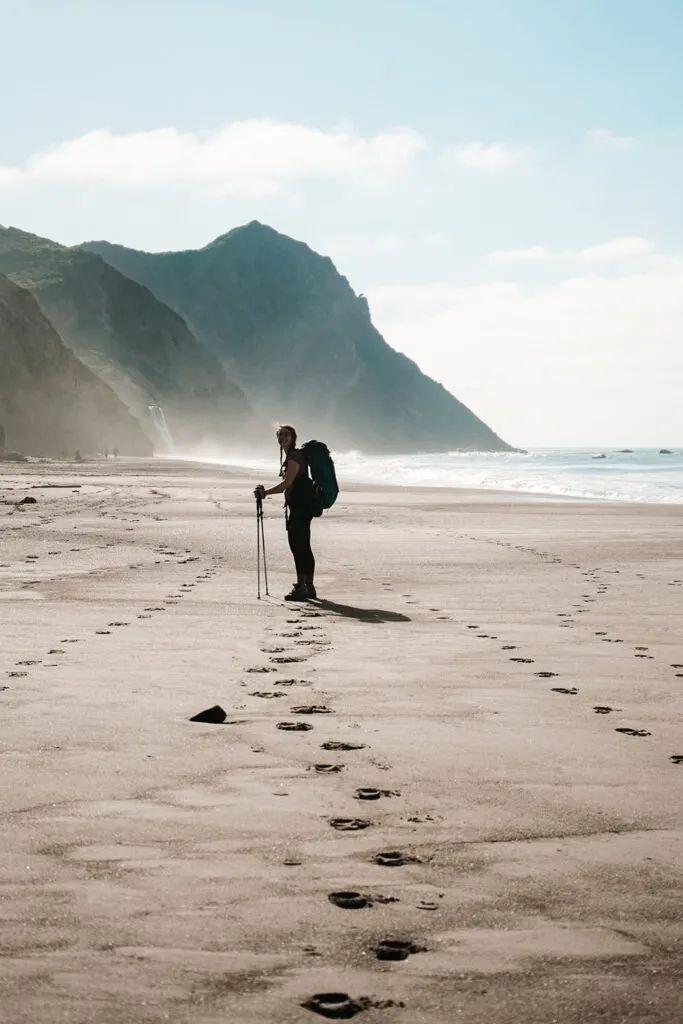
<point>50,403</point>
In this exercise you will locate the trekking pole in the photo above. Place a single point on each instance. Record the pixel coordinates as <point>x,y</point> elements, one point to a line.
<point>258,549</point>
<point>263,546</point>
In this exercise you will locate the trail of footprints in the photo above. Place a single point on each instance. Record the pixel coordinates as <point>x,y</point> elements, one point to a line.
<point>183,558</point>
<point>340,1005</point>
<point>639,651</point>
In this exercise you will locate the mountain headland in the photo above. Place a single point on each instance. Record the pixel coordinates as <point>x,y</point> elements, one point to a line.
<point>50,403</point>
<point>290,331</point>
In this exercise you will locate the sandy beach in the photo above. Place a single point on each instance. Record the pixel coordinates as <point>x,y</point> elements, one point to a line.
<point>502,680</point>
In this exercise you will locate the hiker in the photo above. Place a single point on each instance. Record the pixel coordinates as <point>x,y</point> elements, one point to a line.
<point>300,509</point>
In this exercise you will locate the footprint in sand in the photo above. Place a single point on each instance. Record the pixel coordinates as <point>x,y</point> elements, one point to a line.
<point>397,949</point>
<point>266,694</point>
<point>633,732</point>
<point>17,675</point>
<point>546,675</point>
<point>523,661</point>
<point>103,632</point>
<point>29,661</point>
<point>604,709</point>
<point>261,668</point>
<point>311,709</point>
<point>676,758</point>
<point>118,623</point>
<point>394,859</point>
<point>288,660</point>
<point>294,726</point>
<point>350,824</point>
<point>571,690</point>
<point>341,745</point>
<point>157,608</point>
<point>56,650</point>
<point>326,769</point>
<point>349,900</point>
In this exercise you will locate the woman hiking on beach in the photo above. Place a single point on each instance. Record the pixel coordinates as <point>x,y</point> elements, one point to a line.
<point>300,509</point>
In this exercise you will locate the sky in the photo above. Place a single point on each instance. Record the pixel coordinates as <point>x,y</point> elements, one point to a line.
<point>501,178</point>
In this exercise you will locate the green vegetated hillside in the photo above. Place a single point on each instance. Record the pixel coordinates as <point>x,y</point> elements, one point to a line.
<point>50,403</point>
<point>288,328</point>
<point>131,340</point>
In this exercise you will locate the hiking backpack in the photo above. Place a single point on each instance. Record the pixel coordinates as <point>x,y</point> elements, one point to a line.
<point>323,476</point>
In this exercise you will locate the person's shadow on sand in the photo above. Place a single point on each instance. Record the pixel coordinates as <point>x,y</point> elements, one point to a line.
<point>349,611</point>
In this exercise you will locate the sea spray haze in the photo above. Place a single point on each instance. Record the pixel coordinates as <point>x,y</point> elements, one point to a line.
<point>142,349</point>
<point>642,475</point>
<point>49,401</point>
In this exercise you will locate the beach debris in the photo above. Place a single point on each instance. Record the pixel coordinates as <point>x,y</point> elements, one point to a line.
<point>341,745</point>
<point>214,715</point>
<point>28,500</point>
<point>294,726</point>
<point>349,824</point>
<point>349,900</point>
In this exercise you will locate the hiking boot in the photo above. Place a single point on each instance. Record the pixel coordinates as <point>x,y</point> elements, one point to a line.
<point>312,595</point>
<point>299,592</point>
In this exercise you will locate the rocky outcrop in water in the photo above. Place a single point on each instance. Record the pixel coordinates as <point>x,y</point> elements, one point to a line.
<point>50,403</point>
<point>291,332</point>
<point>131,340</point>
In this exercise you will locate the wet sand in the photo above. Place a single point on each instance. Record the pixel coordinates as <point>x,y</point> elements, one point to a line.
<point>506,678</point>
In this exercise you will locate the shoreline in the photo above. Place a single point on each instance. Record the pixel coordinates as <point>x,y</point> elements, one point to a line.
<point>349,485</point>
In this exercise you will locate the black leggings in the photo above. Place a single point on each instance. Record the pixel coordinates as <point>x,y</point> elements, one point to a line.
<point>299,537</point>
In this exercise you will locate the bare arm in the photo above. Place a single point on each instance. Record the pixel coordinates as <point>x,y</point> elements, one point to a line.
<point>293,464</point>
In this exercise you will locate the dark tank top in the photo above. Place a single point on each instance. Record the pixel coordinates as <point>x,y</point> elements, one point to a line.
<point>300,496</point>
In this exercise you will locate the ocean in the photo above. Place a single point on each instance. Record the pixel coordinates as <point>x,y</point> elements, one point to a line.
<point>642,475</point>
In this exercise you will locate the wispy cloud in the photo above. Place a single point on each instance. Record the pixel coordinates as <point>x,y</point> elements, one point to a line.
<point>530,254</point>
<point>606,139</point>
<point>255,157</point>
<point>617,249</point>
<point>491,158</point>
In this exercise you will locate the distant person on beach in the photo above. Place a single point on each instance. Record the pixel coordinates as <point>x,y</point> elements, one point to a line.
<point>299,511</point>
